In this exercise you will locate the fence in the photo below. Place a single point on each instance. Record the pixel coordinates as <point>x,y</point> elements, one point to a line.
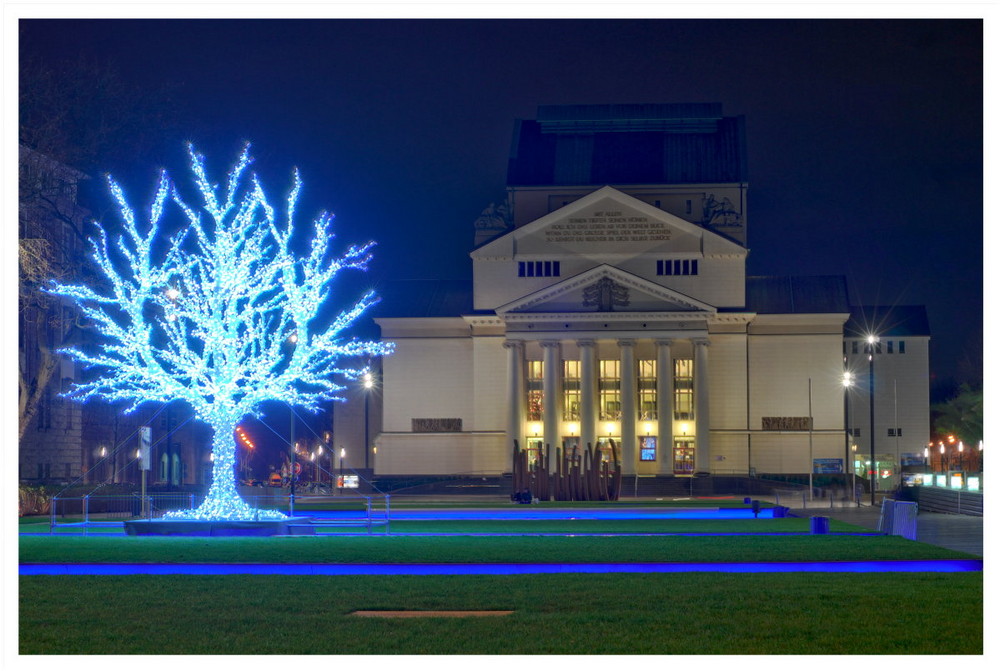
<point>825,497</point>
<point>109,512</point>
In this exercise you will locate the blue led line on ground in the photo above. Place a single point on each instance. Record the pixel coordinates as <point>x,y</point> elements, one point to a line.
<point>887,566</point>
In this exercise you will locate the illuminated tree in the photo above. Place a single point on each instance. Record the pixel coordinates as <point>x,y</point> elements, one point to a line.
<point>224,314</point>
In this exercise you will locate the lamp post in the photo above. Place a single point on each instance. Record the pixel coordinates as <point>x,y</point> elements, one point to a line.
<point>368,384</point>
<point>848,382</point>
<point>873,472</point>
<point>961,456</point>
<point>341,481</point>
<point>811,463</point>
<point>942,456</point>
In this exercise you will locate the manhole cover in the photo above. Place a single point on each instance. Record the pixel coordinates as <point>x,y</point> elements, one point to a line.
<point>430,613</point>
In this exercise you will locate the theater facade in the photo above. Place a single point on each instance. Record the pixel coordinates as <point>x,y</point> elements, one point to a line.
<point>610,301</point>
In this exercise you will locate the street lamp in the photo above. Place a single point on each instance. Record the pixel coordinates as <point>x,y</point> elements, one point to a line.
<point>848,382</point>
<point>368,384</point>
<point>961,456</point>
<point>873,470</point>
<point>341,482</point>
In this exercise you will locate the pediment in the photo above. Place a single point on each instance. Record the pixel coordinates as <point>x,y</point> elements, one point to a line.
<point>608,219</point>
<point>606,289</point>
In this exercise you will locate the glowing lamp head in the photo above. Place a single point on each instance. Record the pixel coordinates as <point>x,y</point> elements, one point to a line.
<point>173,293</point>
<point>572,429</point>
<point>848,379</point>
<point>342,452</point>
<point>872,339</point>
<point>961,447</point>
<point>368,382</point>
<point>648,426</point>
<point>609,427</point>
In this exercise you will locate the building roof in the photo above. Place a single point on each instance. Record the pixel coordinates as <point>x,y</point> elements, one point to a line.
<point>784,294</point>
<point>628,144</point>
<point>887,320</point>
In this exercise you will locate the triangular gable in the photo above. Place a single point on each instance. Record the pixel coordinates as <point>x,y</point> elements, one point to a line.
<point>608,218</point>
<point>605,289</point>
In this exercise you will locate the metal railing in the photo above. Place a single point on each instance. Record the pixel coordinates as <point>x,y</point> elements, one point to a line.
<point>111,511</point>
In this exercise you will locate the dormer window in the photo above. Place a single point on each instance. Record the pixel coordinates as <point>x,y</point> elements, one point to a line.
<point>538,269</point>
<point>677,267</point>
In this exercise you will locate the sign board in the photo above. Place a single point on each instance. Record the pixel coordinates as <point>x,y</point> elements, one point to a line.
<point>828,465</point>
<point>347,481</point>
<point>145,447</point>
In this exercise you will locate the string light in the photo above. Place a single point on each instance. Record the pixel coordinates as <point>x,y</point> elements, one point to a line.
<point>224,318</point>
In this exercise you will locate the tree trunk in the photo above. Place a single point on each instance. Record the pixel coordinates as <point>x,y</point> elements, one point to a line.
<point>223,501</point>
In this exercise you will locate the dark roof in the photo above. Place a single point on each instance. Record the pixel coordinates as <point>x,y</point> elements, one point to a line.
<point>887,320</point>
<point>797,295</point>
<point>628,144</point>
<point>424,298</point>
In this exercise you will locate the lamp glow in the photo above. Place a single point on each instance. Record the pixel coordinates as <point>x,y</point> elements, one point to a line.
<point>220,344</point>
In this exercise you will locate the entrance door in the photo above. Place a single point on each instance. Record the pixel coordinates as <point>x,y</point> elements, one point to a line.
<point>683,456</point>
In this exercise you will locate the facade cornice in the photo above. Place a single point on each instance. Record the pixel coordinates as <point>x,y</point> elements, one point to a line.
<point>658,317</point>
<point>483,320</point>
<point>733,317</point>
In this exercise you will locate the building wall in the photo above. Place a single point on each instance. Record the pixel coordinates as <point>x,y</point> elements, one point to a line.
<point>902,393</point>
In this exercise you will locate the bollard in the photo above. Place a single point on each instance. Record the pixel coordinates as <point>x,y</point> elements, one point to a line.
<point>819,525</point>
<point>779,511</point>
<point>746,500</point>
<point>755,507</point>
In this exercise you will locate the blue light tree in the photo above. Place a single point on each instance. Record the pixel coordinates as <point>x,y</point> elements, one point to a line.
<point>223,315</point>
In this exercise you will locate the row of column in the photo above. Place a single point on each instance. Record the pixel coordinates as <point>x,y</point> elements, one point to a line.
<point>552,397</point>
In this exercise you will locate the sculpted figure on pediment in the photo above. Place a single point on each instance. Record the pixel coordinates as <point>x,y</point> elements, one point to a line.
<point>719,212</point>
<point>494,218</point>
<point>605,294</point>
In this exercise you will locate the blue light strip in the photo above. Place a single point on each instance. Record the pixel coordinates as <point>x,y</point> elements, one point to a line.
<point>558,514</point>
<point>887,566</point>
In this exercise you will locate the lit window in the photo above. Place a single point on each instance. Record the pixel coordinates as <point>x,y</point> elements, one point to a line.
<point>609,388</point>
<point>571,391</point>
<point>535,381</point>
<point>647,390</point>
<point>683,389</point>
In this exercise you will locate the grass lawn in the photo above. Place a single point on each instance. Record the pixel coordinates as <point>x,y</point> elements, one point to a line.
<point>695,613</point>
<point>690,613</point>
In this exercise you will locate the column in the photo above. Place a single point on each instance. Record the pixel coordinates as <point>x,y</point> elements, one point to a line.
<point>551,396</point>
<point>665,405</point>
<point>701,404</point>
<point>628,395</point>
<point>515,394</point>
<point>588,392</point>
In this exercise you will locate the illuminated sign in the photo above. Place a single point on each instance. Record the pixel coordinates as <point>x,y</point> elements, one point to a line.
<point>347,481</point>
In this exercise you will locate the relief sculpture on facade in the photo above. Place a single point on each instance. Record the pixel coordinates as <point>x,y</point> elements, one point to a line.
<point>605,295</point>
<point>719,212</point>
<point>786,423</point>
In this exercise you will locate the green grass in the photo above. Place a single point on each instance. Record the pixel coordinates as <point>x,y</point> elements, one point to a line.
<point>693,613</point>
<point>690,613</point>
<point>379,549</point>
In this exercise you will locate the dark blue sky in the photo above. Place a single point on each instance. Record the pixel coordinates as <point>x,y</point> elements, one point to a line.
<point>864,137</point>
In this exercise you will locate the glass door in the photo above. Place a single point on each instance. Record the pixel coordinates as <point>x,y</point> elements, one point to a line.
<point>683,456</point>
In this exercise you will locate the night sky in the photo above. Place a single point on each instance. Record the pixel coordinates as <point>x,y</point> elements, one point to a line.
<point>864,137</point>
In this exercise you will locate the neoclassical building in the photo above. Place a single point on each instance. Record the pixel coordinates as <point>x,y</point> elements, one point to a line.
<point>609,300</point>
